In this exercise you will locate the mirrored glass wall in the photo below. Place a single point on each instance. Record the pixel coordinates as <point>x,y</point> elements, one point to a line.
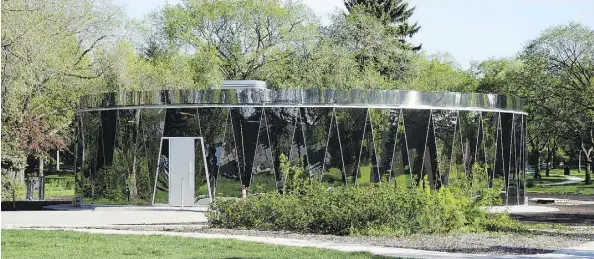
<point>124,156</point>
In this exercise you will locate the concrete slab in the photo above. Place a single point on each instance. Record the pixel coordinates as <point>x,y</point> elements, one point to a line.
<point>100,207</point>
<point>520,209</point>
<point>99,218</point>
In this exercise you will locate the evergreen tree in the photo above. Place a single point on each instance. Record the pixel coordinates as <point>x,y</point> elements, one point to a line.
<point>391,13</point>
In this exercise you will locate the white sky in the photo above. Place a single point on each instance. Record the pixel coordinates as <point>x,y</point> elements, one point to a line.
<point>467,29</point>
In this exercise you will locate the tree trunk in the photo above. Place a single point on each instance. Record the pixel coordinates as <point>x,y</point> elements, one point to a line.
<point>41,180</point>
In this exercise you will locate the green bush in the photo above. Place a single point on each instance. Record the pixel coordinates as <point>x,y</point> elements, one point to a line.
<point>373,209</point>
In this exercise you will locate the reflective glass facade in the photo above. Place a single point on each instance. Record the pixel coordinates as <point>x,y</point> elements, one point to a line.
<point>338,137</point>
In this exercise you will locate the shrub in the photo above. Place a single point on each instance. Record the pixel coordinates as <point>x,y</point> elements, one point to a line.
<point>373,209</point>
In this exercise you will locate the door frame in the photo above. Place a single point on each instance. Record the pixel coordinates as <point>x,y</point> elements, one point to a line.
<point>203,157</point>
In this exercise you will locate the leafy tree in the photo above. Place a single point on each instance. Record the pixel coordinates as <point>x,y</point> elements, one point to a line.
<point>391,13</point>
<point>565,54</point>
<point>46,66</point>
<point>245,36</point>
<point>438,72</point>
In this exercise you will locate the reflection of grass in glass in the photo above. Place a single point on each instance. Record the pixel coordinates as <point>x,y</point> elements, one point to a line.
<point>364,174</point>
<point>263,182</point>
<point>228,187</point>
<point>333,176</point>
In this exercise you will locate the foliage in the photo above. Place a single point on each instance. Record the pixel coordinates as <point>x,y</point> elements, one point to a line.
<point>394,14</point>
<point>378,209</point>
<point>46,67</point>
<point>74,245</point>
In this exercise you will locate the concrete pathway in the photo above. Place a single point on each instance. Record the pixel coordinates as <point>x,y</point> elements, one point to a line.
<point>570,180</point>
<point>583,251</point>
<point>99,218</point>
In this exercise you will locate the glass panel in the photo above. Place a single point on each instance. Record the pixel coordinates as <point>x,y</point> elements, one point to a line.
<point>229,179</point>
<point>490,124</point>
<point>417,124</point>
<point>400,171</point>
<point>430,169</point>
<point>298,153</point>
<point>350,123</point>
<point>263,175</point>
<point>108,135</point>
<point>162,181</point>
<point>91,141</point>
<point>212,122</point>
<point>281,128</point>
<point>518,164</point>
<point>385,126</point>
<point>507,135</point>
<point>457,163</point>
<point>316,122</point>
<point>152,124</point>
<point>469,127</point>
<point>181,123</point>
<point>367,165</point>
<point>444,126</point>
<point>121,175</point>
<point>524,161</point>
<point>333,173</point>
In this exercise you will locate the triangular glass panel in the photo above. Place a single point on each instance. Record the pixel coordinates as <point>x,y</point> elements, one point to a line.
<point>263,175</point>
<point>444,126</point>
<point>161,192</point>
<point>457,163</point>
<point>152,124</point>
<point>367,165</point>
<point>211,123</point>
<point>430,168</point>
<point>507,126</point>
<point>316,122</point>
<point>281,124</point>
<point>417,126</point>
<point>333,171</point>
<point>490,125</point>
<point>351,122</point>
<point>399,171</point>
<point>469,127</point>
<point>246,124</point>
<point>229,179</point>
<point>298,154</point>
<point>385,127</point>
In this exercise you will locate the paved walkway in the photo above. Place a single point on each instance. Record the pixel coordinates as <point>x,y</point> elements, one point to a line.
<point>583,251</point>
<point>570,180</point>
<point>99,218</point>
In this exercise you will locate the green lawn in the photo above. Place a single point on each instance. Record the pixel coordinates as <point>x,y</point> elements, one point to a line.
<point>579,188</point>
<point>67,244</point>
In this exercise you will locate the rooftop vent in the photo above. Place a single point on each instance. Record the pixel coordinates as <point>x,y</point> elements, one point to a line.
<point>243,84</point>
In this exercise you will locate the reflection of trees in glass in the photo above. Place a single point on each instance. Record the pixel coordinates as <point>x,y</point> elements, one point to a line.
<point>444,126</point>
<point>385,127</point>
<point>91,130</point>
<point>416,123</point>
<point>351,122</point>
<point>212,130</point>
<point>469,127</point>
<point>490,124</point>
<point>316,122</point>
<point>152,123</point>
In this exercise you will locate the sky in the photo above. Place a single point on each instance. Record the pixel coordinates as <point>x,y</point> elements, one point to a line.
<point>469,30</point>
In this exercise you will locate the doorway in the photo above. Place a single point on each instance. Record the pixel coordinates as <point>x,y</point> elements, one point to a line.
<point>177,178</point>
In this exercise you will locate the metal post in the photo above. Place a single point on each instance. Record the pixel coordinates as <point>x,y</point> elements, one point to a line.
<point>580,161</point>
<point>58,160</point>
<point>182,193</point>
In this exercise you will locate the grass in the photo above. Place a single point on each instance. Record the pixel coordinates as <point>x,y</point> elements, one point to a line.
<point>556,176</point>
<point>67,244</point>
